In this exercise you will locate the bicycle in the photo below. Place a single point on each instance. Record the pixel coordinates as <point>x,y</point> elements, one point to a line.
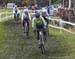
<point>26,28</point>
<point>42,41</point>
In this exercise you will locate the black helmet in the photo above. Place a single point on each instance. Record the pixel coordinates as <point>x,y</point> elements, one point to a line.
<point>37,15</point>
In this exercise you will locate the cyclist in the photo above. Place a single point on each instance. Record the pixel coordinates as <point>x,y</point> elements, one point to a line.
<point>45,16</point>
<point>25,18</point>
<point>16,12</point>
<point>38,23</point>
<point>24,8</point>
<point>48,9</point>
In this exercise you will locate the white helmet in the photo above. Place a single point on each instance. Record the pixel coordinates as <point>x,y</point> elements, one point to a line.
<point>43,10</point>
<point>15,5</point>
<point>25,7</point>
<point>25,10</point>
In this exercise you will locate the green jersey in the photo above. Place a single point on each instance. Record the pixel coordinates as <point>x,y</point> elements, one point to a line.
<point>38,22</point>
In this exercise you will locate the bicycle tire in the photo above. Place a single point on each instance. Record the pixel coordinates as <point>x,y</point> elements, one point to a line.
<point>42,49</point>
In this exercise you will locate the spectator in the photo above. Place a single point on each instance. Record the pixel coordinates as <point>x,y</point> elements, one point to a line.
<point>48,9</point>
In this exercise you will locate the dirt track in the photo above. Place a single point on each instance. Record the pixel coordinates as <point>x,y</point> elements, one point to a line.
<point>18,47</point>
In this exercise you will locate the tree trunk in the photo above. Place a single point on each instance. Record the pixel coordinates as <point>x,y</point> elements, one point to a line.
<point>69,6</point>
<point>63,3</point>
<point>49,2</point>
<point>74,7</point>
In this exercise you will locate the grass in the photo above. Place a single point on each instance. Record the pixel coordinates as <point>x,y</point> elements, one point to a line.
<point>3,36</point>
<point>4,15</point>
<point>3,10</point>
<point>68,39</point>
<point>17,46</point>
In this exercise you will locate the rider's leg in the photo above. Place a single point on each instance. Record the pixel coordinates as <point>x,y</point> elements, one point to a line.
<point>47,29</point>
<point>28,28</point>
<point>23,25</point>
<point>14,16</point>
<point>37,35</point>
<point>17,16</point>
<point>45,33</point>
<point>38,39</point>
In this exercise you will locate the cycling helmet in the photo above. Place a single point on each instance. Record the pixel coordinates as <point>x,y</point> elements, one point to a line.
<point>15,6</point>
<point>25,7</point>
<point>25,10</point>
<point>37,15</point>
<point>44,10</point>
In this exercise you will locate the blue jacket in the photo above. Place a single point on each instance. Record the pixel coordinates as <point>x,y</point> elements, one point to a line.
<point>48,9</point>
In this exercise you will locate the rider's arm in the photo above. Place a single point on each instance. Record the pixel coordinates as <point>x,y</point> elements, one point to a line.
<point>43,21</point>
<point>33,22</point>
<point>29,16</point>
<point>18,11</point>
<point>22,16</point>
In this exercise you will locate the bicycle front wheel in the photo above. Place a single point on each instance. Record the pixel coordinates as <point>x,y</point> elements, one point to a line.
<point>42,49</point>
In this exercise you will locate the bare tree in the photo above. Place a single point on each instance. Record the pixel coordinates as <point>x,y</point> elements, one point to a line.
<point>49,2</point>
<point>74,6</point>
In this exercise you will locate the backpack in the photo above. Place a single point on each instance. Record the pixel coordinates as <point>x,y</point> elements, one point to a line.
<point>38,21</point>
